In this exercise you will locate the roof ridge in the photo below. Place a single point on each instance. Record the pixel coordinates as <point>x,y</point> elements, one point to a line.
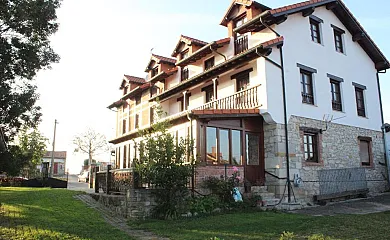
<point>193,39</point>
<point>164,58</point>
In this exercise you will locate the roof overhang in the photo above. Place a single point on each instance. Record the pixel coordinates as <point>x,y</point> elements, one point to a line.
<point>246,3</point>
<point>159,60</point>
<point>188,41</point>
<point>279,15</point>
<point>202,52</point>
<point>163,75</point>
<point>250,54</point>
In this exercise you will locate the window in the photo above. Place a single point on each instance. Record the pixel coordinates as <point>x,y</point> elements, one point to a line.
<point>310,147</point>
<point>129,157</point>
<point>223,146</point>
<point>307,87</point>
<point>152,115</point>
<point>138,100</point>
<point>338,41</point>
<point>209,63</point>
<point>242,81</point>
<point>336,95</point>
<point>252,149</point>
<point>184,54</point>
<point>211,145</point>
<point>184,73</point>
<point>136,120</point>
<point>315,31</point>
<point>365,151</point>
<point>124,156</point>
<point>125,90</point>
<point>361,110</point>
<point>124,126</point>
<point>154,91</point>
<point>209,92</point>
<point>154,72</point>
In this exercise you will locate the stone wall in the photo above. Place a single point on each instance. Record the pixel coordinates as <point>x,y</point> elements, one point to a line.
<point>137,203</point>
<point>338,147</point>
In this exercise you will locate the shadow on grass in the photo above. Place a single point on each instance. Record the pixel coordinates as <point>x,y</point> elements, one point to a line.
<point>56,211</point>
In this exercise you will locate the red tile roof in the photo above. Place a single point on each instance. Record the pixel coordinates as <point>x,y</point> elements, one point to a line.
<point>273,42</point>
<point>296,5</point>
<point>164,59</point>
<point>194,40</point>
<point>134,79</point>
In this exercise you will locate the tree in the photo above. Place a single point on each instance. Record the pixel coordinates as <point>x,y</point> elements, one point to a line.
<point>167,165</point>
<point>26,154</point>
<point>91,143</point>
<point>25,28</point>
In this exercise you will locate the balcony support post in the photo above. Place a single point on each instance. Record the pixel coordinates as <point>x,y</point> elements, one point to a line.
<point>215,83</point>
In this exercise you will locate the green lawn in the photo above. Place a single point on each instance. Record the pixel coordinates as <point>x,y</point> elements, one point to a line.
<point>270,225</point>
<point>43,213</point>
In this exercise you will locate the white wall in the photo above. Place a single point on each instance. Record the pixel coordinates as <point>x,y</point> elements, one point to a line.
<point>354,66</point>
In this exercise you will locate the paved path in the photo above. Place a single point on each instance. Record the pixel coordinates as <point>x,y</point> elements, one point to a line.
<point>73,184</point>
<point>117,221</point>
<point>376,204</point>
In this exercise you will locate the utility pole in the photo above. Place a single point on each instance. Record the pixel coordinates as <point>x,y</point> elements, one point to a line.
<point>52,152</point>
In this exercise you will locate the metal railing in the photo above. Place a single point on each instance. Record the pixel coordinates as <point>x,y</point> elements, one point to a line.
<point>245,99</point>
<point>240,44</point>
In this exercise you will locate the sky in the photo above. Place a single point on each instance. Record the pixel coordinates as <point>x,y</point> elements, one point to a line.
<point>100,40</point>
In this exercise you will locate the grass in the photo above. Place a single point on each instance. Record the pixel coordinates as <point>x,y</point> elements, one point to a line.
<point>270,225</point>
<point>43,213</point>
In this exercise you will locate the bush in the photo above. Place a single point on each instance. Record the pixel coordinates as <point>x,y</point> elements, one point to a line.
<point>201,205</point>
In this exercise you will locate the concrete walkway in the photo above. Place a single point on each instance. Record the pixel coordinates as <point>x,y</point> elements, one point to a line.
<point>117,221</point>
<point>375,204</point>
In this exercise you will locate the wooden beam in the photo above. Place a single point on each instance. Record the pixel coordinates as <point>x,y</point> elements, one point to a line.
<point>308,12</point>
<point>358,36</point>
<point>281,20</point>
<point>331,6</point>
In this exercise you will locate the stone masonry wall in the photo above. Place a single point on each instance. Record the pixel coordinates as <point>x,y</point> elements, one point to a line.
<point>338,147</point>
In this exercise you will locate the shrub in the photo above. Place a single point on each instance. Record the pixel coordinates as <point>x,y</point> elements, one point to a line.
<point>203,204</point>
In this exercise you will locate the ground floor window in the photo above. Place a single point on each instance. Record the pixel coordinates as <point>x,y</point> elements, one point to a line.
<point>310,146</point>
<point>225,146</point>
<point>365,151</point>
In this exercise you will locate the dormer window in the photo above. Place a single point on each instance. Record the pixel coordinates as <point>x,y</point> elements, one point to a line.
<point>185,54</point>
<point>209,63</point>
<point>154,71</point>
<point>125,90</point>
<point>184,73</point>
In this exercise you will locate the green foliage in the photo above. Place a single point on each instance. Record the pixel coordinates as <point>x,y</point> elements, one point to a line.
<point>26,155</point>
<point>222,188</point>
<point>25,28</point>
<point>163,163</point>
<point>287,236</point>
<point>319,237</point>
<point>204,204</point>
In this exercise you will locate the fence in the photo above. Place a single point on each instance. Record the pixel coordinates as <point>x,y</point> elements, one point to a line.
<point>115,181</point>
<point>341,182</point>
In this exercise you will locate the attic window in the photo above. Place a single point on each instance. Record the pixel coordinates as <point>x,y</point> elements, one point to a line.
<point>154,71</point>
<point>184,54</point>
<point>124,90</point>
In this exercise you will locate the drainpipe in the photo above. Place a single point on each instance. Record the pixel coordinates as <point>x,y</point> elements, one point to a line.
<point>189,117</point>
<point>215,50</point>
<point>387,157</point>
<point>285,113</point>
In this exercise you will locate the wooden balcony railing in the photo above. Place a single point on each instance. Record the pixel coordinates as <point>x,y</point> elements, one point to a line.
<point>245,99</point>
<point>240,44</point>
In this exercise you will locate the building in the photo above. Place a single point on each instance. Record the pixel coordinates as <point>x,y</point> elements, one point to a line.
<point>59,162</point>
<point>308,70</point>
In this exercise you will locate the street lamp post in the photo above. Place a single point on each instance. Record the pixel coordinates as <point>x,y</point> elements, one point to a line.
<point>52,152</point>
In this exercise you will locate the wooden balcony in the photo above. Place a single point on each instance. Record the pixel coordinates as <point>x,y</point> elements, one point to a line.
<point>245,99</point>
<point>240,44</point>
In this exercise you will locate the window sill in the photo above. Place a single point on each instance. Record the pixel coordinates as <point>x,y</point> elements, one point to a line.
<point>342,53</point>
<point>313,164</point>
<point>308,104</point>
<point>321,44</point>
<point>363,117</point>
<point>338,111</point>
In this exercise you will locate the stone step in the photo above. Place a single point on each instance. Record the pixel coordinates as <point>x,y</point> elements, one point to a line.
<point>259,189</point>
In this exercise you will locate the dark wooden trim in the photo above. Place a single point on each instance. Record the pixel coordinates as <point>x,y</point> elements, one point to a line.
<point>358,36</point>
<point>317,19</point>
<point>333,77</point>
<point>208,87</point>
<point>337,29</point>
<point>281,20</point>
<point>308,12</point>
<point>306,68</point>
<point>310,130</point>
<point>241,73</point>
<point>368,139</point>
<point>359,86</point>
<point>331,6</point>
